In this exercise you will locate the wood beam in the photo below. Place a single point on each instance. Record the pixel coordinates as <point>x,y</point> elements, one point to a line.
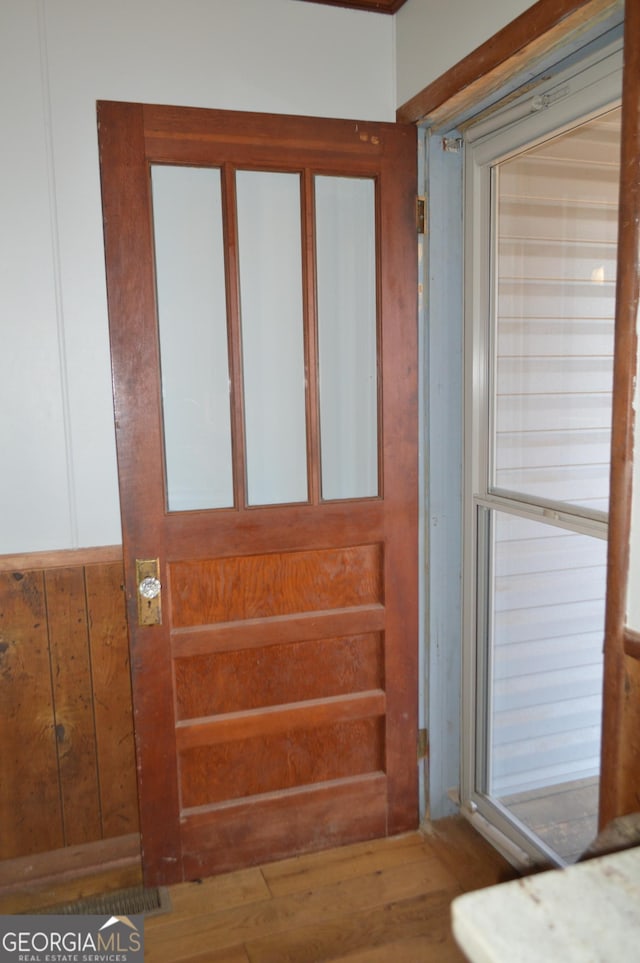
<point>520,44</point>
<point>620,774</point>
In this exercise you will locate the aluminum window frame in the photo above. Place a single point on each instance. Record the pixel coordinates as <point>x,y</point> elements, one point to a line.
<point>572,96</point>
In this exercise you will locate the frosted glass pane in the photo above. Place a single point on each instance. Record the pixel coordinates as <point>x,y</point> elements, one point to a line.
<point>270,258</point>
<point>187,213</point>
<point>347,341</point>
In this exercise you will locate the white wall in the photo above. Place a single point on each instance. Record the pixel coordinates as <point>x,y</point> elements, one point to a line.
<point>58,484</point>
<point>432,35</point>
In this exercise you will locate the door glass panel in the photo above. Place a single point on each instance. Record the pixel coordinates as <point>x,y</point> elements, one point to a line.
<point>192,318</point>
<point>270,258</point>
<point>347,336</point>
<point>555,303</point>
<point>545,628</point>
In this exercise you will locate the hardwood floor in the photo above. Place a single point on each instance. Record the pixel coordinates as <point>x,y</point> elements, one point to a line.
<point>375,902</point>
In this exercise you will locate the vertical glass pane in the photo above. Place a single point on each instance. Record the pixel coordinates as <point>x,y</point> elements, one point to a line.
<point>347,339</point>
<point>187,216</point>
<point>555,280</point>
<point>546,627</point>
<point>270,255</point>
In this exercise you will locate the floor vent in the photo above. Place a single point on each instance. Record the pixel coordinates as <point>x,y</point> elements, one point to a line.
<point>124,902</point>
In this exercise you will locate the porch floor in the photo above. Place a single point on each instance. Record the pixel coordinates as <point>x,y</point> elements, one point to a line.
<point>565,816</point>
<point>366,903</point>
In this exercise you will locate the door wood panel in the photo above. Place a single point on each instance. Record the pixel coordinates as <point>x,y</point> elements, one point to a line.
<point>263,586</point>
<point>276,704</point>
<point>240,680</point>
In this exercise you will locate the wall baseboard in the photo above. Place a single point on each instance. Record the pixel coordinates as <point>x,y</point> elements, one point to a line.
<point>31,883</point>
<point>34,561</point>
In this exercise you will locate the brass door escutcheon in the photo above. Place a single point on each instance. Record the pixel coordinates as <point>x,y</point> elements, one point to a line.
<point>149,591</point>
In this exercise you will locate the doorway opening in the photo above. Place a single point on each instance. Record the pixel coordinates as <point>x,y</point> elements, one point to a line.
<point>541,231</point>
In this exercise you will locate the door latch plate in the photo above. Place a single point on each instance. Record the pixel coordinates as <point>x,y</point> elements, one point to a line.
<point>149,591</point>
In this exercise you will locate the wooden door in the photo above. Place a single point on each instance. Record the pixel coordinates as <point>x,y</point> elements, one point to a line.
<point>275,702</point>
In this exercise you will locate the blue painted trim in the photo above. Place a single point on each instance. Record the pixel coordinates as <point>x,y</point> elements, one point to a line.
<point>443,366</point>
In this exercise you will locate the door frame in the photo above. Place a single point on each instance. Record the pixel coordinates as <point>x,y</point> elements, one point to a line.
<point>523,52</point>
<point>591,86</point>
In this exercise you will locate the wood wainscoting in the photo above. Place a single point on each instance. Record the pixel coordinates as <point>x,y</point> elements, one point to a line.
<point>67,760</point>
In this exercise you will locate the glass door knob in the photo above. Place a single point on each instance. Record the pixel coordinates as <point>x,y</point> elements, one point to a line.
<point>149,587</point>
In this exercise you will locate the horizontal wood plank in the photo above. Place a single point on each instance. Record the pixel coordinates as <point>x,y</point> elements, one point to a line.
<point>262,586</point>
<point>280,674</point>
<point>311,818</point>
<point>195,535</point>
<point>278,719</point>
<point>35,882</point>
<point>298,756</point>
<point>62,558</point>
<point>280,142</point>
<point>230,636</point>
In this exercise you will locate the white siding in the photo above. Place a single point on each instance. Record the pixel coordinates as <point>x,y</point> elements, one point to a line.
<point>555,288</point>
<point>548,621</point>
